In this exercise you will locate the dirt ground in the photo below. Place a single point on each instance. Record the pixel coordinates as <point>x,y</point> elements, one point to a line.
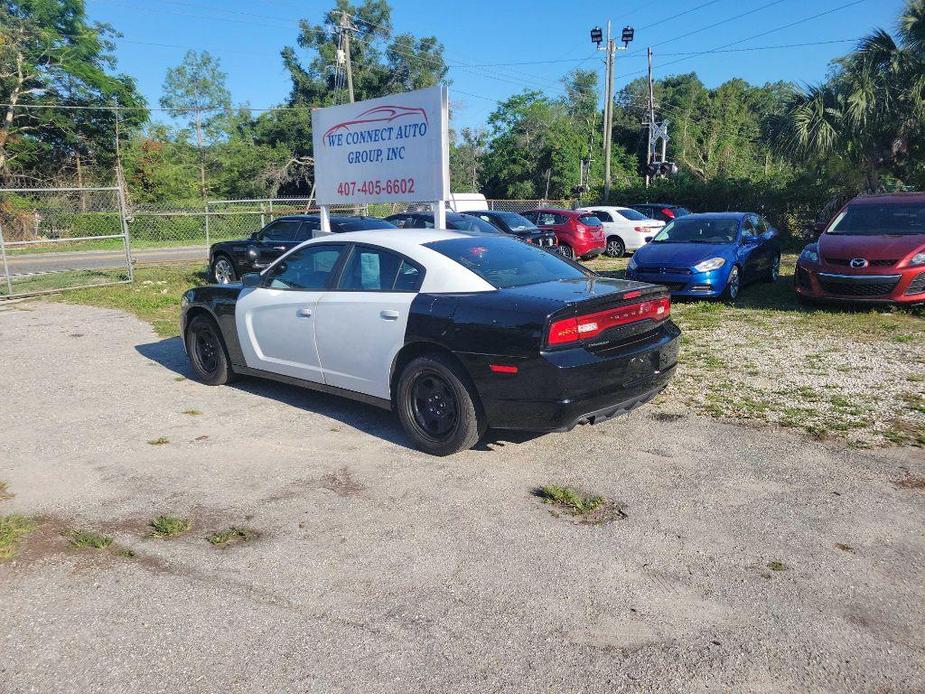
<point>747,558</point>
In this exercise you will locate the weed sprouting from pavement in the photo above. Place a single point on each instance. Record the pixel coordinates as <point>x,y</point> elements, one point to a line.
<point>776,565</point>
<point>169,526</point>
<point>12,528</point>
<point>570,500</point>
<point>231,535</point>
<point>179,378</point>
<point>159,441</point>
<point>5,493</point>
<point>192,413</point>
<point>88,538</point>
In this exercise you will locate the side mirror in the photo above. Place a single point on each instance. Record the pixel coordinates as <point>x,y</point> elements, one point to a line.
<point>251,280</point>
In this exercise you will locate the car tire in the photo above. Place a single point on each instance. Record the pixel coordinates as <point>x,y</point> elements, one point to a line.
<point>733,284</point>
<point>774,272</point>
<point>223,270</point>
<point>437,406</point>
<point>206,351</point>
<point>615,247</point>
<point>566,251</point>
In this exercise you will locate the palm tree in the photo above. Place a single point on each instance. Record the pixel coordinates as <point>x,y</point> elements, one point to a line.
<point>871,111</point>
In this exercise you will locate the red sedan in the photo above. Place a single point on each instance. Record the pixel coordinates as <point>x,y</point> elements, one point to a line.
<point>872,251</point>
<point>580,234</point>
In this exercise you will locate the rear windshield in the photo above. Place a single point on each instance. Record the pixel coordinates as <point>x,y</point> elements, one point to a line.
<point>506,262</point>
<point>680,211</point>
<point>876,220</point>
<point>465,222</point>
<point>631,215</point>
<point>362,224</point>
<point>698,230</point>
<point>515,222</point>
<point>589,220</point>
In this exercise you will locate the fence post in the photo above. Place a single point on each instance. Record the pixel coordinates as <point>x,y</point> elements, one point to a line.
<point>271,209</point>
<point>262,209</point>
<point>126,242</point>
<point>6,268</point>
<point>207,223</point>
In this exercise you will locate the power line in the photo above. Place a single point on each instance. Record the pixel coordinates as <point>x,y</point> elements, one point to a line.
<point>718,49</point>
<point>722,21</point>
<point>680,14</point>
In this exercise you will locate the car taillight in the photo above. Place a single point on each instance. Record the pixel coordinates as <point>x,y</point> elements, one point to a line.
<point>668,213</point>
<point>641,230</point>
<point>568,330</point>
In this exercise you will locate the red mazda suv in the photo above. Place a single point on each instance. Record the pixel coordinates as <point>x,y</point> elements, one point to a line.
<point>580,234</point>
<point>872,251</point>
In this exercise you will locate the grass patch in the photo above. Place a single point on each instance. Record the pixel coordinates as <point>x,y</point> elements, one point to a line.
<point>776,565</point>
<point>5,493</point>
<point>88,539</point>
<point>169,526</point>
<point>153,297</point>
<point>231,535</point>
<point>569,500</point>
<point>12,528</point>
<point>192,413</point>
<point>159,441</point>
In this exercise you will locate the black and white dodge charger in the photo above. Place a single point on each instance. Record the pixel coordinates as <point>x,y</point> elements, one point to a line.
<point>457,332</point>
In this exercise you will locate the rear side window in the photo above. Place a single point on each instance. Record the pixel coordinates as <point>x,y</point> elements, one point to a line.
<point>681,211</point>
<point>632,215</point>
<point>603,216</point>
<point>280,230</point>
<point>506,262</point>
<point>363,224</point>
<point>377,270</point>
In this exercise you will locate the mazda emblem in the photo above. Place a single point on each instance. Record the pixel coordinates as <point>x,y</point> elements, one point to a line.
<point>858,262</point>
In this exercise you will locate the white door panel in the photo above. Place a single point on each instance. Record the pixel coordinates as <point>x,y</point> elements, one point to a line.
<point>359,334</point>
<point>276,329</point>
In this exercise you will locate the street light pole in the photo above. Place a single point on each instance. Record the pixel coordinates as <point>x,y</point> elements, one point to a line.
<point>608,112</point>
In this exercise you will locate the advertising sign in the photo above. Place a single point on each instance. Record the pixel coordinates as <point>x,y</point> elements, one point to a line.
<point>391,149</point>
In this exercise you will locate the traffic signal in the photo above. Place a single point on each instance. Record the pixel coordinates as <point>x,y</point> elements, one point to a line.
<point>661,168</point>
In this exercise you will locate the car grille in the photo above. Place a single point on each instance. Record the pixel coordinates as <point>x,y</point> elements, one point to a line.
<point>664,270</point>
<point>873,263</point>
<point>871,285</point>
<point>673,286</point>
<point>917,286</point>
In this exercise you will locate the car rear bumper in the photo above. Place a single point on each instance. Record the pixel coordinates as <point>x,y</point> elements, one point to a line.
<point>558,390</point>
<point>904,286</point>
<point>693,284</point>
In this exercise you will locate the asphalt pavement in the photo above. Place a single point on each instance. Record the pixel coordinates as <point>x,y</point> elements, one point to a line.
<point>745,559</point>
<point>38,263</point>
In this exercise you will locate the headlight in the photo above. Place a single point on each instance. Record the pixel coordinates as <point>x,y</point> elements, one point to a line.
<point>810,253</point>
<point>711,264</point>
<point>633,264</point>
<point>917,259</point>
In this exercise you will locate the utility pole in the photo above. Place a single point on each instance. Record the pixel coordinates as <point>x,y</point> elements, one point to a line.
<point>611,47</point>
<point>343,29</point>
<point>650,140</point>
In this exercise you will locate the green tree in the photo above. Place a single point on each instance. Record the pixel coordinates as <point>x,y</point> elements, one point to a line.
<point>466,154</point>
<point>192,88</point>
<point>50,54</point>
<point>871,111</point>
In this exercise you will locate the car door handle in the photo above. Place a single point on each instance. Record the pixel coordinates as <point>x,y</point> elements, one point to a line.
<point>279,248</point>
<point>304,313</point>
<point>388,315</point>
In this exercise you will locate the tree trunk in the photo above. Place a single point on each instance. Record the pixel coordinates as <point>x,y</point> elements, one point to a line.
<point>8,117</point>
<point>202,165</point>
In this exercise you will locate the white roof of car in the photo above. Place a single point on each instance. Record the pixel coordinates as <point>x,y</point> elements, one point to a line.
<point>443,276</point>
<point>601,207</point>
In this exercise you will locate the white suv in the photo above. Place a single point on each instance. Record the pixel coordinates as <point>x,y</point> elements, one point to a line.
<point>625,228</point>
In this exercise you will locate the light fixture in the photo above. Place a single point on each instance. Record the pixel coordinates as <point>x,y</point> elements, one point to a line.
<point>627,36</point>
<point>597,36</point>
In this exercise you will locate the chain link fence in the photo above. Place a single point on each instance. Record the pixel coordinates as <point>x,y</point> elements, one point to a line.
<point>52,239</point>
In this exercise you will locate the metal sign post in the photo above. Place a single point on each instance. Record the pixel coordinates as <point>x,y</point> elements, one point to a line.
<point>325,219</point>
<point>439,209</point>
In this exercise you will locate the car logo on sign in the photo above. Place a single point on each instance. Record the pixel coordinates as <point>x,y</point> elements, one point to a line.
<point>858,262</point>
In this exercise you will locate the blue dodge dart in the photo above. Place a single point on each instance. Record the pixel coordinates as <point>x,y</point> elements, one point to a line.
<point>709,255</point>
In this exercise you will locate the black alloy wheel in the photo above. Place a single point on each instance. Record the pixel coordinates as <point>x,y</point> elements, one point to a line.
<point>207,352</point>
<point>437,406</point>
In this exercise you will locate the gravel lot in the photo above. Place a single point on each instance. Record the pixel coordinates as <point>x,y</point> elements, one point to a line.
<point>750,558</point>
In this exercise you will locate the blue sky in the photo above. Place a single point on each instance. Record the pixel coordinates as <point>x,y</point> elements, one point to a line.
<point>156,33</point>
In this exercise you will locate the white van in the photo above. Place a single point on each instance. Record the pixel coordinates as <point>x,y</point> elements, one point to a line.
<point>464,202</point>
